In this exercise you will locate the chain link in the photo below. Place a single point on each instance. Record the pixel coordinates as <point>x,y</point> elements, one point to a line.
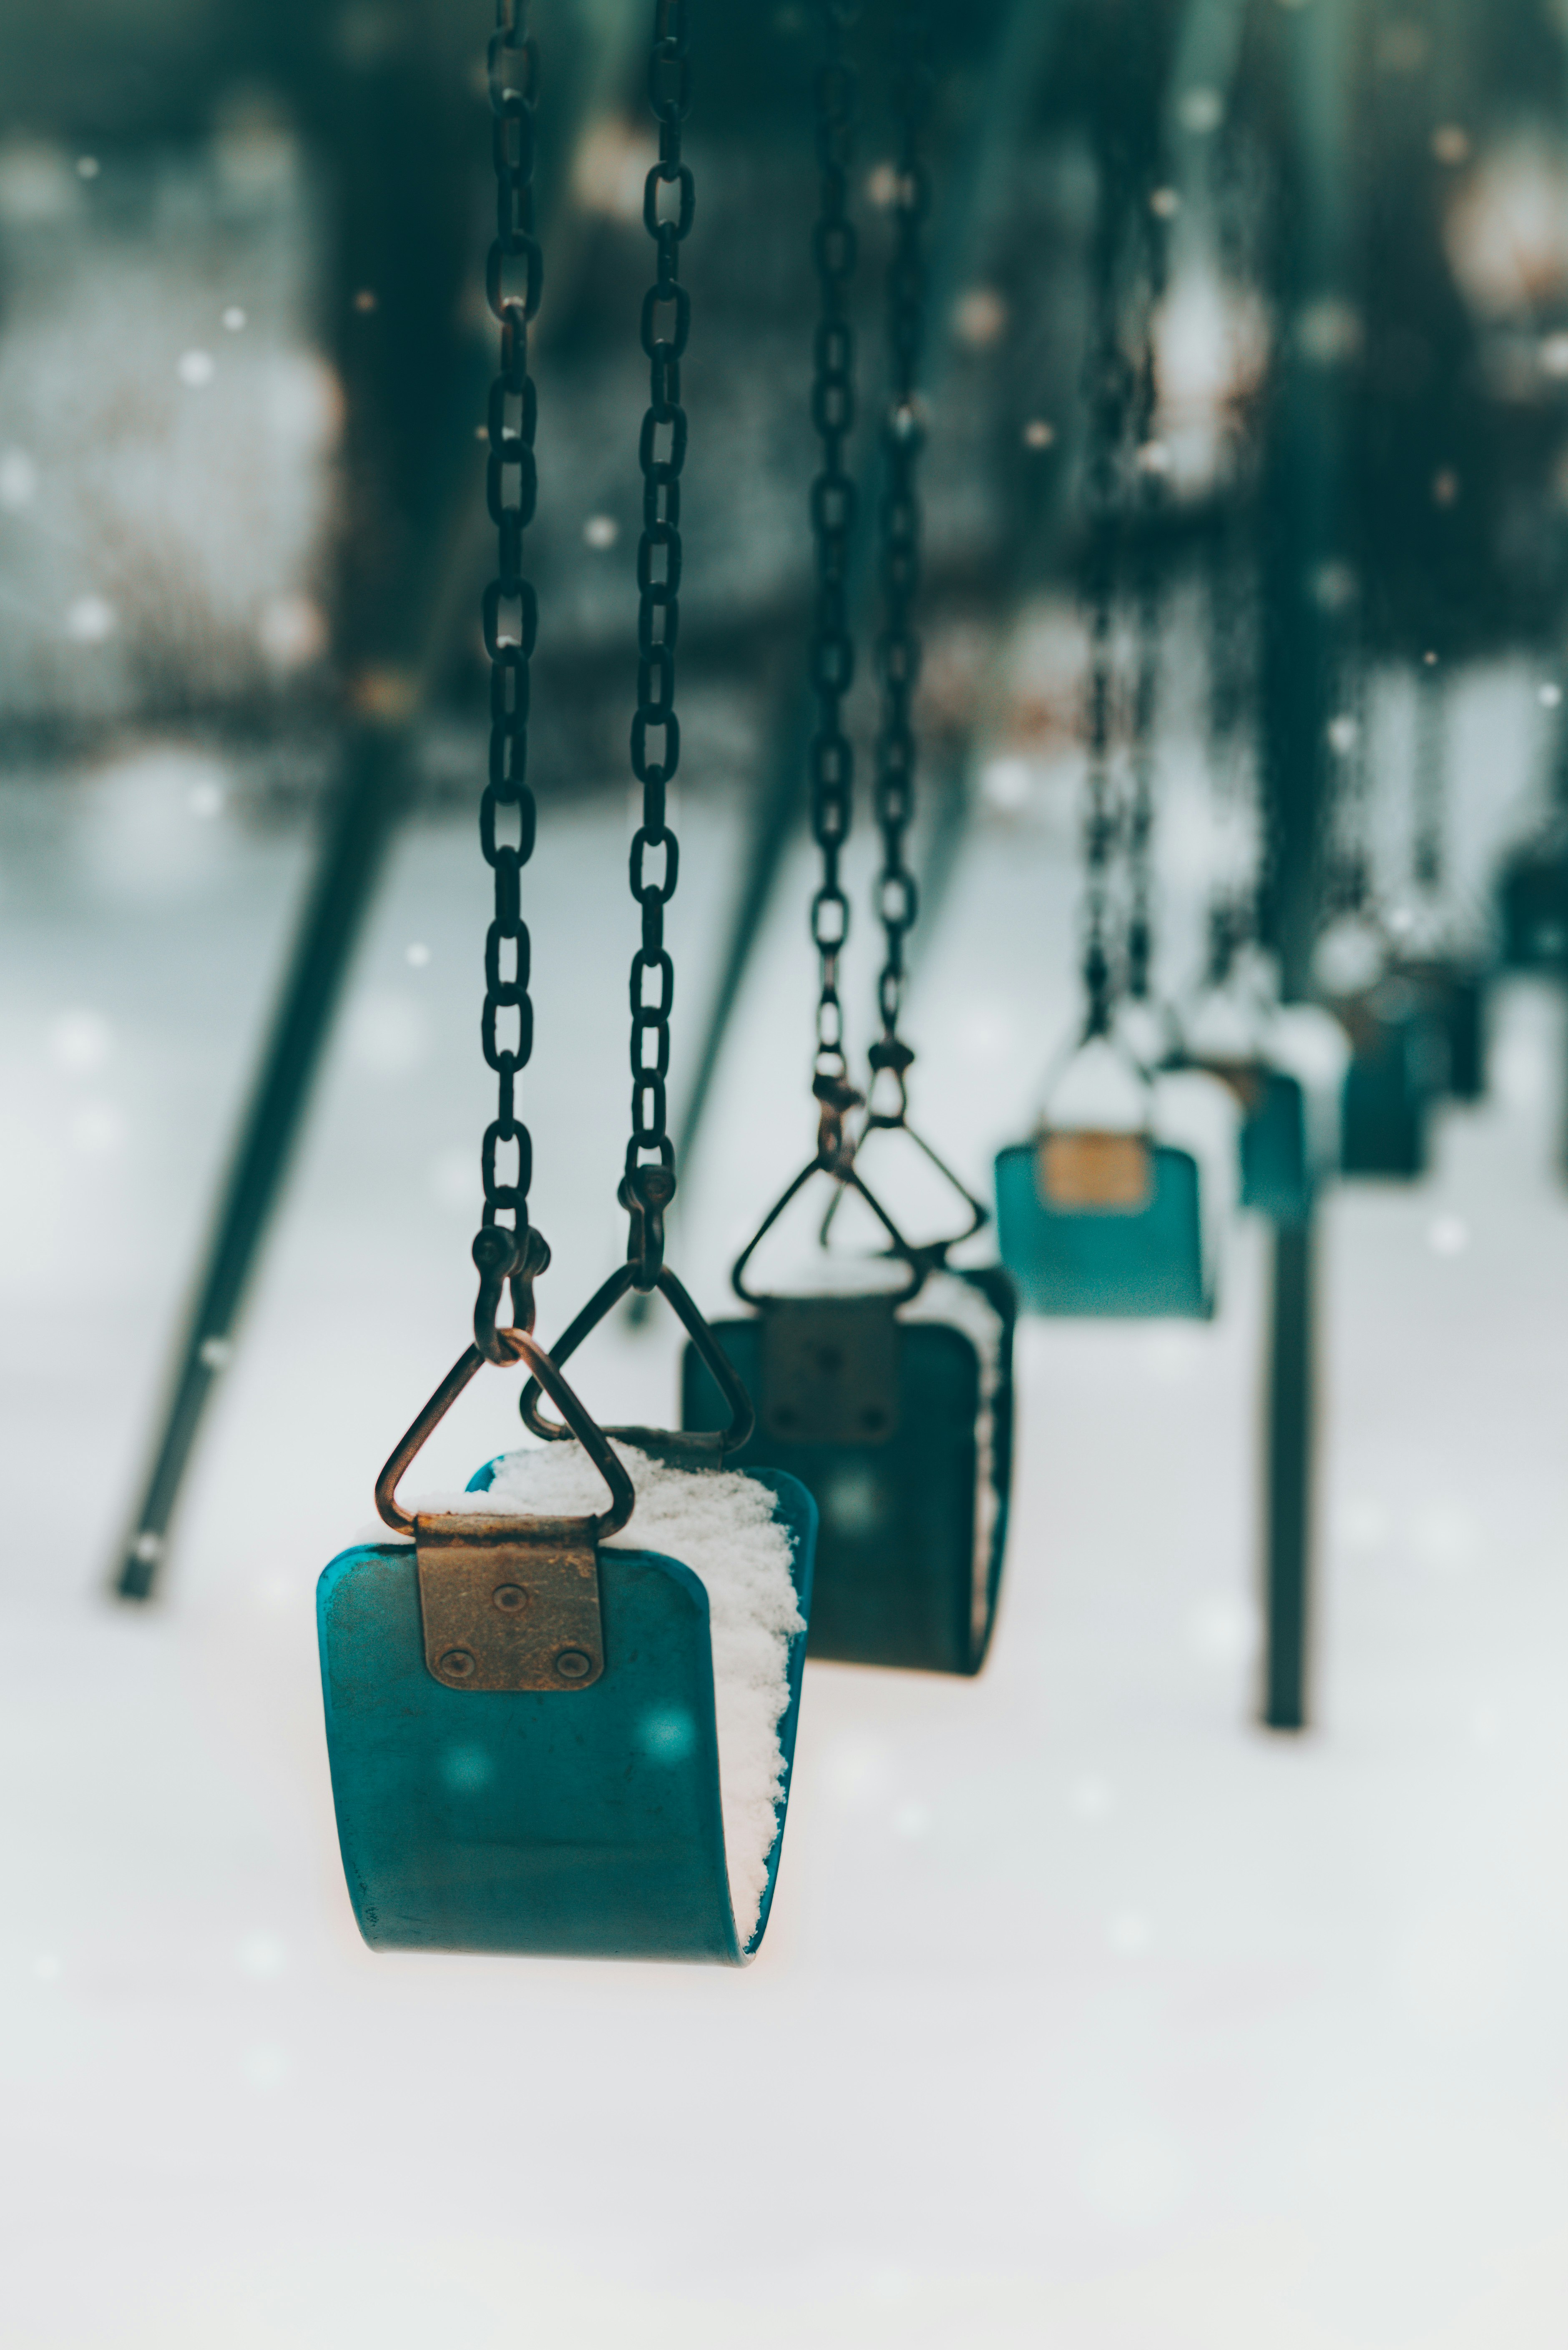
<point>1432,778</point>
<point>1232,908</point>
<point>899,535</point>
<point>1146,686</point>
<point>835,250</point>
<point>1349,888</point>
<point>1236,913</point>
<point>1109,388</point>
<point>661,450</point>
<point>507,816</point>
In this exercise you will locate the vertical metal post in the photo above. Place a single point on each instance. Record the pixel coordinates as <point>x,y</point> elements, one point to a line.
<point>1306,588</point>
<point>1288,1530</point>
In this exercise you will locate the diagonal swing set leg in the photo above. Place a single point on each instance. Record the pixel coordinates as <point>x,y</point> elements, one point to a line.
<point>369,802</point>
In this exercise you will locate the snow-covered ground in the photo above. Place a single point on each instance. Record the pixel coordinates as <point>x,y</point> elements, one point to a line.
<point>1089,2015</point>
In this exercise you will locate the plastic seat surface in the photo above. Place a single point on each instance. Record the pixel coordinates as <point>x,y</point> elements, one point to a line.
<point>583,1824</point>
<point>1398,1064</point>
<point>1083,1261</point>
<point>1454,994</point>
<point>1276,1165</point>
<point>896,1561</point>
<point>1533,904</point>
<point>1383,1120</point>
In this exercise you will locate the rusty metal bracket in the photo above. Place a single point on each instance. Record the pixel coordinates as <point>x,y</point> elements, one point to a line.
<point>1247,1079</point>
<point>1085,1168</point>
<point>510,1602</point>
<point>509,1607</point>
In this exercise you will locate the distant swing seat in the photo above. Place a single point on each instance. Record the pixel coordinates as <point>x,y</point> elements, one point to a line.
<point>521,1727</point>
<point>1533,896</point>
<point>1454,995</point>
<point>1396,1068</point>
<point>1273,1138</point>
<point>1098,1223</point>
<point>902,1428</point>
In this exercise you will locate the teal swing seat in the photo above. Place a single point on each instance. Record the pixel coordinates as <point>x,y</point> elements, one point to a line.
<point>899,1424</point>
<point>1284,1066</point>
<point>1453,992</point>
<point>1102,1224</point>
<point>1532,903</point>
<point>576,1817</point>
<point>904,1434</point>
<point>1275,1159</point>
<point>1396,1068</point>
<point>1276,1163</point>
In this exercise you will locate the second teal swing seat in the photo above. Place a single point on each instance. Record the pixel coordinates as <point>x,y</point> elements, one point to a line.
<point>901,1425</point>
<point>913,1486</point>
<point>578,1819</point>
<point>1397,1070</point>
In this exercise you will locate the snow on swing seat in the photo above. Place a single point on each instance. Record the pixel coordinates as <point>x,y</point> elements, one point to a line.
<point>641,1817</point>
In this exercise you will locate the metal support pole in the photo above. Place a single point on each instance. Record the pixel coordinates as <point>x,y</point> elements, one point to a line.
<point>1289,1452</point>
<point>369,799</point>
<point>1307,586</point>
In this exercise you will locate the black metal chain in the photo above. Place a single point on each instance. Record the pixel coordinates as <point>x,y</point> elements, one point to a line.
<point>1232,908</point>
<point>834,249</point>
<point>1349,886</point>
<point>649,1185</point>
<point>1432,777</point>
<point>899,535</point>
<point>1145,687</point>
<point>1109,387</point>
<point>1238,911</point>
<point>512,283</point>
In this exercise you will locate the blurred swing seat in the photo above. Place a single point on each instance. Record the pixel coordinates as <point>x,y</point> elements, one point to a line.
<point>1453,994</point>
<point>1397,1067</point>
<point>1102,1223</point>
<point>1532,904</point>
<point>904,1435</point>
<point>1275,1164</point>
<point>577,1815</point>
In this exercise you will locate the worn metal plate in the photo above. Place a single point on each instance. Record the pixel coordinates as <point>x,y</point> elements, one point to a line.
<point>830,1370</point>
<point>1248,1080</point>
<point>505,1608</point>
<point>676,1447</point>
<point>1088,1168</point>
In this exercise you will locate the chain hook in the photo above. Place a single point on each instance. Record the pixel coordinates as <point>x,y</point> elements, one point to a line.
<point>645,1193</point>
<point>835,1098</point>
<point>891,1057</point>
<point>502,1255</point>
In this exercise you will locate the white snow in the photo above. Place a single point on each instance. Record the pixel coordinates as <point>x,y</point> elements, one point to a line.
<point>721,1523</point>
<point>1133,2028</point>
<point>943,1297</point>
<point>1308,1043</point>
